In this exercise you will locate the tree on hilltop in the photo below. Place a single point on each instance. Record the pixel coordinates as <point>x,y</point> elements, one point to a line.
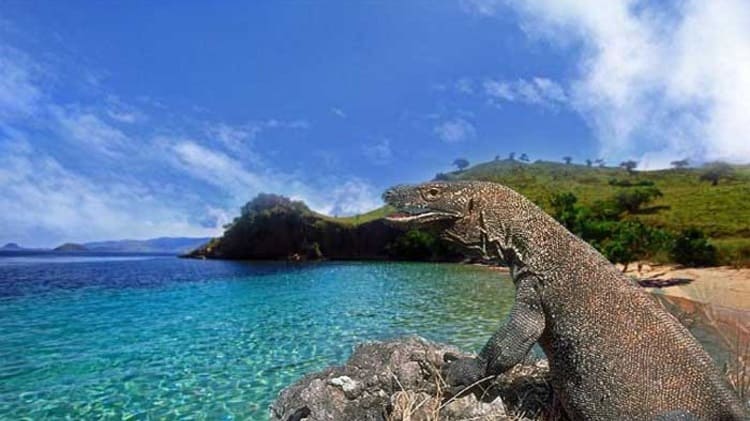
<point>600,162</point>
<point>512,156</point>
<point>524,157</point>
<point>629,165</point>
<point>589,163</point>
<point>461,163</point>
<point>715,171</point>
<point>678,165</point>
<point>567,160</point>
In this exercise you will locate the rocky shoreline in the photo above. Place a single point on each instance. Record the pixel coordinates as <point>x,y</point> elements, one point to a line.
<point>399,380</point>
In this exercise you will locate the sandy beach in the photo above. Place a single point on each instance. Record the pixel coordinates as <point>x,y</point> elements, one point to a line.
<point>723,286</point>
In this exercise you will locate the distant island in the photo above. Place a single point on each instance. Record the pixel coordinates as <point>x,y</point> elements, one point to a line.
<point>70,247</point>
<point>161,245</point>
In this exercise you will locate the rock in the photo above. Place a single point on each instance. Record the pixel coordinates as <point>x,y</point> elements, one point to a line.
<point>400,380</point>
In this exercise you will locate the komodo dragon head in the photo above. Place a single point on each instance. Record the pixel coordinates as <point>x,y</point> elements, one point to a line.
<point>454,207</point>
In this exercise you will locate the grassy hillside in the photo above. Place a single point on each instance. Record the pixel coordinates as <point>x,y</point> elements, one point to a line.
<point>721,211</point>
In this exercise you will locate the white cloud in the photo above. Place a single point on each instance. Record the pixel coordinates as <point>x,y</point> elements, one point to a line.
<point>334,196</point>
<point>481,7</point>
<point>455,130</point>
<point>239,138</point>
<point>338,112</point>
<point>217,168</point>
<point>86,128</point>
<point>44,203</point>
<point>122,116</point>
<point>536,91</point>
<point>465,86</point>
<point>19,94</point>
<point>653,82</point>
<point>379,153</point>
<point>351,197</point>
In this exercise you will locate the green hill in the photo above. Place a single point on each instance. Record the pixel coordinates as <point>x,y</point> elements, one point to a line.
<point>721,211</point>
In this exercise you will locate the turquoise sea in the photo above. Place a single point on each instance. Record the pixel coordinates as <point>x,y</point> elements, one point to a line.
<point>141,337</point>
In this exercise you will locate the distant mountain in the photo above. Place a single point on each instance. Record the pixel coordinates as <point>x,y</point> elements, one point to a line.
<point>173,245</point>
<point>70,247</point>
<point>12,247</point>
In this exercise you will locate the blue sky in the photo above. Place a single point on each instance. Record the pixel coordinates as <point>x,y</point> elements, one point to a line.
<point>143,119</point>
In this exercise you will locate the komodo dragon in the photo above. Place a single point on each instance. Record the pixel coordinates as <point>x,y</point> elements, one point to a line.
<point>614,354</point>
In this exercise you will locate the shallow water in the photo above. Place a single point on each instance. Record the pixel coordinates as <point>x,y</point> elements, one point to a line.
<point>164,337</point>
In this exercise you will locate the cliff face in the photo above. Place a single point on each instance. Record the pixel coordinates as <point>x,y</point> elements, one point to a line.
<point>273,227</point>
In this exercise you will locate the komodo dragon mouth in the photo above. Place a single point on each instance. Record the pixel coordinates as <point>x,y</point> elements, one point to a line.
<point>420,215</point>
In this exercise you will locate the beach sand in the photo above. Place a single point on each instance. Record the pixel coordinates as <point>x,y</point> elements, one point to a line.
<point>723,286</point>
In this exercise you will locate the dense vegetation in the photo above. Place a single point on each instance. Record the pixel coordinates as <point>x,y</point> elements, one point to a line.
<point>272,227</point>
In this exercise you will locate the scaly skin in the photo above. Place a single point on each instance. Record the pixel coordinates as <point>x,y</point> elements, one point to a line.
<point>613,352</point>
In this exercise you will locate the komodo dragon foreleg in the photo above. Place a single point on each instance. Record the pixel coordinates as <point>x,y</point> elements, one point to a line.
<point>509,345</point>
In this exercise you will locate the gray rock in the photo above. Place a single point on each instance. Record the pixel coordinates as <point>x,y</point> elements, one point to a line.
<point>400,380</point>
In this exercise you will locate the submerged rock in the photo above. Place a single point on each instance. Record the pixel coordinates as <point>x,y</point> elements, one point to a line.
<point>400,380</point>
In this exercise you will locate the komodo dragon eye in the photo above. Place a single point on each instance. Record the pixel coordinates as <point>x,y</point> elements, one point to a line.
<point>431,193</point>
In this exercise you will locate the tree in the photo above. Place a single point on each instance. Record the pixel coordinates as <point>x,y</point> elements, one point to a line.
<point>691,248</point>
<point>633,240</point>
<point>589,163</point>
<point>629,165</point>
<point>678,165</point>
<point>715,171</point>
<point>567,160</point>
<point>461,163</point>
<point>512,156</point>
<point>564,209</point>
<point>600,162</point>
<point>524,157</point>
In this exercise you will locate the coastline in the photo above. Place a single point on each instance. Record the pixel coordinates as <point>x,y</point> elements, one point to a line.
<point>719,285</point>
<point>722,286</point>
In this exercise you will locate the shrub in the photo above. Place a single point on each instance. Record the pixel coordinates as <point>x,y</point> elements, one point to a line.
<point>631,200</point>
<point>627,183</point>
<point>692,248</point>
